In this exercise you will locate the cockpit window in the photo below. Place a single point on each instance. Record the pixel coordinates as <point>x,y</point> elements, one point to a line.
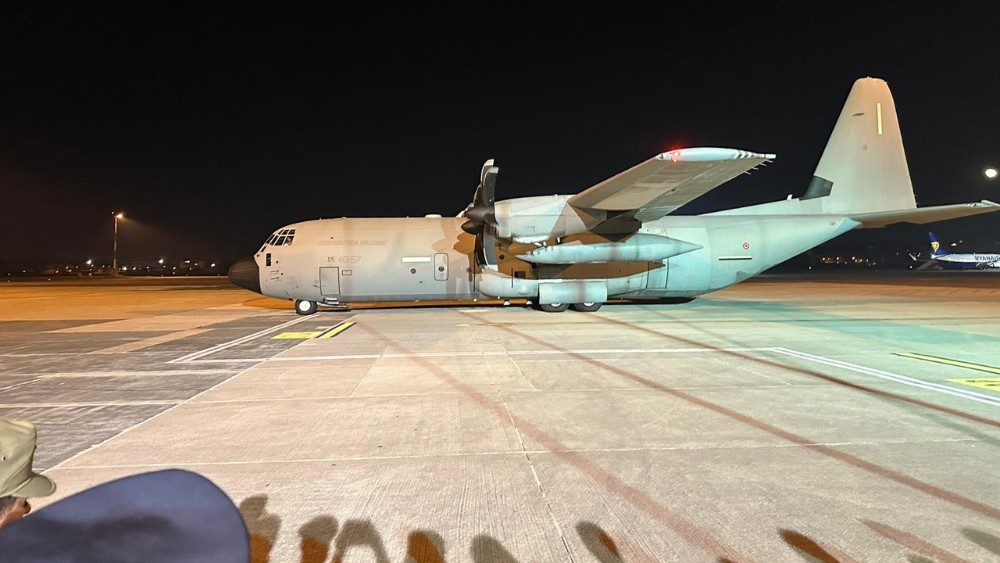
<point>282,237</point>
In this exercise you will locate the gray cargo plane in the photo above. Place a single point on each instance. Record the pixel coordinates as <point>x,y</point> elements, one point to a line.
<point>619,238</point>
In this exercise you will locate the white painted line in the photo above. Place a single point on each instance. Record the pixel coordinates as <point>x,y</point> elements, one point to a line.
<point>32,355</point>
<point>895,377</point>
<point>21,384</point>
<point>236,342</point>
<point>152,373</point>
<point>189,399</point>
<point>486,390</point>
<point>484,354</point>
<point>88,404</point>
<point>693,447</point>
<point>229,361</point>
<point>149,342</point>
<point>143,422</point>
<point>59,296</point>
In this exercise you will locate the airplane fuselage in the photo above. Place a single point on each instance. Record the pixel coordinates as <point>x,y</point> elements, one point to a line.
<point>431,258</point>
<point>968,261</point>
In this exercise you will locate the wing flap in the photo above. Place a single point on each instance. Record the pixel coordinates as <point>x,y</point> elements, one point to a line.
<point>660,185</point>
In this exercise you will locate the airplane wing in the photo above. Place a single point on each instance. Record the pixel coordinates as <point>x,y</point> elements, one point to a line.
<point>660,185</point>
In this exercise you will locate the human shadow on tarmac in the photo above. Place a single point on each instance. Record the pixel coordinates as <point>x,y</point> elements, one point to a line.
<point>262,527</point>
<point>598,542</point>
<point>424,546</point>
<point>315,538</point>
<point>806,547</point>
<point>321,534</point>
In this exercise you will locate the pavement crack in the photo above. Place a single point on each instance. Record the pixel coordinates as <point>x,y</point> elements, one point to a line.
<point>534,474</point>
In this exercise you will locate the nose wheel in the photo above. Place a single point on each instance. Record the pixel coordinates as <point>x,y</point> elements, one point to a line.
<point>303,307</point>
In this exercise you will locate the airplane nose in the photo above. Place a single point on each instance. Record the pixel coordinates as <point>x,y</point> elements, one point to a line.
<point>245,274</point>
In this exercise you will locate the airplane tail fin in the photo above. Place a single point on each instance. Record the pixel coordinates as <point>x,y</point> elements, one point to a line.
<point>863,168</point>
<point>936,246</point>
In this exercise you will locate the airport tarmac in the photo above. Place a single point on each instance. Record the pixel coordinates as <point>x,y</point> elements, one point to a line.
<point>842,417</point>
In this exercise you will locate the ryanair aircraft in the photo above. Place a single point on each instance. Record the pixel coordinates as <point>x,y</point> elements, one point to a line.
<point>966,261</point>
<point>619,238</point>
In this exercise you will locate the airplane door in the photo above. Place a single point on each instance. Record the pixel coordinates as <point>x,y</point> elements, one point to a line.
<point>329,280</point>
<point>657,277</point>
<point>441,267</point>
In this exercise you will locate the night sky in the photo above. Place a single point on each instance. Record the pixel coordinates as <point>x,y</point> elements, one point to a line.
<point>212,128</point>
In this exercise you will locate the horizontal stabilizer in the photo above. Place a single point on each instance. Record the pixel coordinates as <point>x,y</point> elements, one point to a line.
<point>924,214</point>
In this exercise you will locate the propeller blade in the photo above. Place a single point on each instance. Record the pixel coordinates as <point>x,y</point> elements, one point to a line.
<point>487,247</point>
<point>481,211</point>
<point>489,185</point>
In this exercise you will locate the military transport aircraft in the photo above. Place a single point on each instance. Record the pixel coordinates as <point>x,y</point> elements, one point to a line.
<point>619,238</point>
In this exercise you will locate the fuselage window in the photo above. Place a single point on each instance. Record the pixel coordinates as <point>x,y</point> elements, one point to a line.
<point>267,259</point>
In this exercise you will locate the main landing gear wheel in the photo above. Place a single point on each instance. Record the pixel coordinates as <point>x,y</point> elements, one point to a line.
<point>554,307</point>
<point>303,307</point>
<point>587,307</point>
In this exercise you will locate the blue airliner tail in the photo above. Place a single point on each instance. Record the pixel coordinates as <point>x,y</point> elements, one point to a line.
<point>936,246</point>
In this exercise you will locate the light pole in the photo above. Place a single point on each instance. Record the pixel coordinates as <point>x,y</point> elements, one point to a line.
<point>114,255</point>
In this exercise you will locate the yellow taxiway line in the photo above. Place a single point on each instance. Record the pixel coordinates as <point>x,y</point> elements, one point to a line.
<point>949,362</point>
<point>336,330</point>
<point>310,334</point>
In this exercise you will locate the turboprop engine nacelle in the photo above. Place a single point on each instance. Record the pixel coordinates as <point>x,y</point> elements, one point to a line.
<point>535,219</point>
<point>640,247</point>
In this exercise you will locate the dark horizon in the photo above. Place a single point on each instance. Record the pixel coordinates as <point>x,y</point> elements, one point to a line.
<point>210,130</point>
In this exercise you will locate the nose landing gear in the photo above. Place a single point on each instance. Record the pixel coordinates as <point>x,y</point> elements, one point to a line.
<point>303,307</point>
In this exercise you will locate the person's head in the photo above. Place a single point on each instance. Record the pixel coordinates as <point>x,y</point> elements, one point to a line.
<point>18,482</point>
